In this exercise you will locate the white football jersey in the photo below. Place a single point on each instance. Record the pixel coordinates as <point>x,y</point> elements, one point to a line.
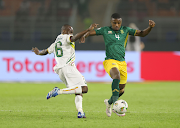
<point>64,51</point>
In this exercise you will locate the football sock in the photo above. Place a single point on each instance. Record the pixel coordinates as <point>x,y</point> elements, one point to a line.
<point>72,90</point>
<point>115,91</point>
<point>110,101</point>
<point>78,103</point>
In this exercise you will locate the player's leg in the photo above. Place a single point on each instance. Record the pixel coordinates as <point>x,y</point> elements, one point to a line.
<point>75,84</point>
<point>121,92</point>
<point>123,77</point>
<point>78,98</point>
<point>115,75</point>
<point>71,90</point>
<point>73,80</point>
<point>78,79</point>
<point>55,90</point>
<point>78,103</point>
<point>112,69</point>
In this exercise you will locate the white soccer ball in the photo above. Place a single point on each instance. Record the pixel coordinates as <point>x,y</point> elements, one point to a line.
<point>120,106</point>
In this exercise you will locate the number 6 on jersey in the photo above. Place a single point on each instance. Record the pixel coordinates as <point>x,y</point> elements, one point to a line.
<point>59,51</point>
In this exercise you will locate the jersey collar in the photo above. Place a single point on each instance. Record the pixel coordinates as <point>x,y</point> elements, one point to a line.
<point>116,31</point>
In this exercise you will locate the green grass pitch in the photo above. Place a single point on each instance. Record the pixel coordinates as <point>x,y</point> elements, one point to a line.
<point>151,105</point>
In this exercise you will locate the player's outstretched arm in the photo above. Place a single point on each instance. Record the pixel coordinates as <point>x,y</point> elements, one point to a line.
<point>147,30</point>
<point>36,51</point>
<point>79,35</point>
<point>90,33</point>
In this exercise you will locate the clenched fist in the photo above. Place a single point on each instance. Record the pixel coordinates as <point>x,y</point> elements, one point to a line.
<point>152,23</point>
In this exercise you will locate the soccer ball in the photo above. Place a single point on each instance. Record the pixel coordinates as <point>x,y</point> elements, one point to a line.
<point>120,106</point>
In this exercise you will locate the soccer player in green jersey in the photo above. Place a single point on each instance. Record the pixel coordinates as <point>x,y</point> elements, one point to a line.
<point>115,38</point>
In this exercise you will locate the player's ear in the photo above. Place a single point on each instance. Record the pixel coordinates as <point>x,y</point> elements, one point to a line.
<point>63,31</point>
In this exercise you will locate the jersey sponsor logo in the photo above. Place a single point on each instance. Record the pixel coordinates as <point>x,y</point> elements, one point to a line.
<point>109,32</point>
<point>113,64</point>
<point>122,32</point>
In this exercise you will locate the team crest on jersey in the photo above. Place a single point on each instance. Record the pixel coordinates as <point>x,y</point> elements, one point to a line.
<point>122,32</point>
<point>109,32</point>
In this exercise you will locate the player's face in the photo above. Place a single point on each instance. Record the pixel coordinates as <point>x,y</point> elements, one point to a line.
<point>116,23</point>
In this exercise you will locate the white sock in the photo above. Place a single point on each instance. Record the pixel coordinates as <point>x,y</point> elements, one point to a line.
<point>78,103</point>
<point>72,90</point>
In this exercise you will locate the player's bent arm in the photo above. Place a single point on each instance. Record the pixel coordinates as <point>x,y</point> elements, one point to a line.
<point>144,32</point>
<point>147,30</point>
<point>90,33</point>
<point>78,35</point>
<point>43,52</point>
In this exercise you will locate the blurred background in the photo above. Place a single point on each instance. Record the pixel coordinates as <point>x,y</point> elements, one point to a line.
<point>28,23</point>
<point>36,23</point>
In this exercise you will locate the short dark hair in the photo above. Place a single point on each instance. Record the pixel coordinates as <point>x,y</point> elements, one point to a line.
<point>65,26</point>
<point>115,16</point>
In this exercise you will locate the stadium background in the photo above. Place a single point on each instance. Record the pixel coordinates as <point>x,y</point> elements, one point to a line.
<point>28,23</point>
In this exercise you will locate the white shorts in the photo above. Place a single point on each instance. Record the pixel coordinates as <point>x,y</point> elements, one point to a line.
<point>71,76</point>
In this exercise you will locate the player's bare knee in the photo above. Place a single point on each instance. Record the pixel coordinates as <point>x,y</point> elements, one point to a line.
<point>79,94</point>
<point>116,76</point>
<point>84,89</point>
<point>114,72</point>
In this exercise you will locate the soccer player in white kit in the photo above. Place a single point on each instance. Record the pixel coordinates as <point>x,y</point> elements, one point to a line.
<point>64,52</point>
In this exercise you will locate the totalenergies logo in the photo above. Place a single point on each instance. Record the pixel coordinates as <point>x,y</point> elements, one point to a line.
<point>28,65</point>
<point>12,64</point>
<point>90,66</point>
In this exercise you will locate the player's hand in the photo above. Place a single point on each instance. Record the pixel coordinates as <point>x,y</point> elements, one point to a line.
<point>82,39</point>
<point>151,23</point>
<point>35,50</point>
<point>92,26</point>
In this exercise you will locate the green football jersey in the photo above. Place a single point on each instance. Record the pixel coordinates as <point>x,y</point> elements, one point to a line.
<point>115,41</point>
